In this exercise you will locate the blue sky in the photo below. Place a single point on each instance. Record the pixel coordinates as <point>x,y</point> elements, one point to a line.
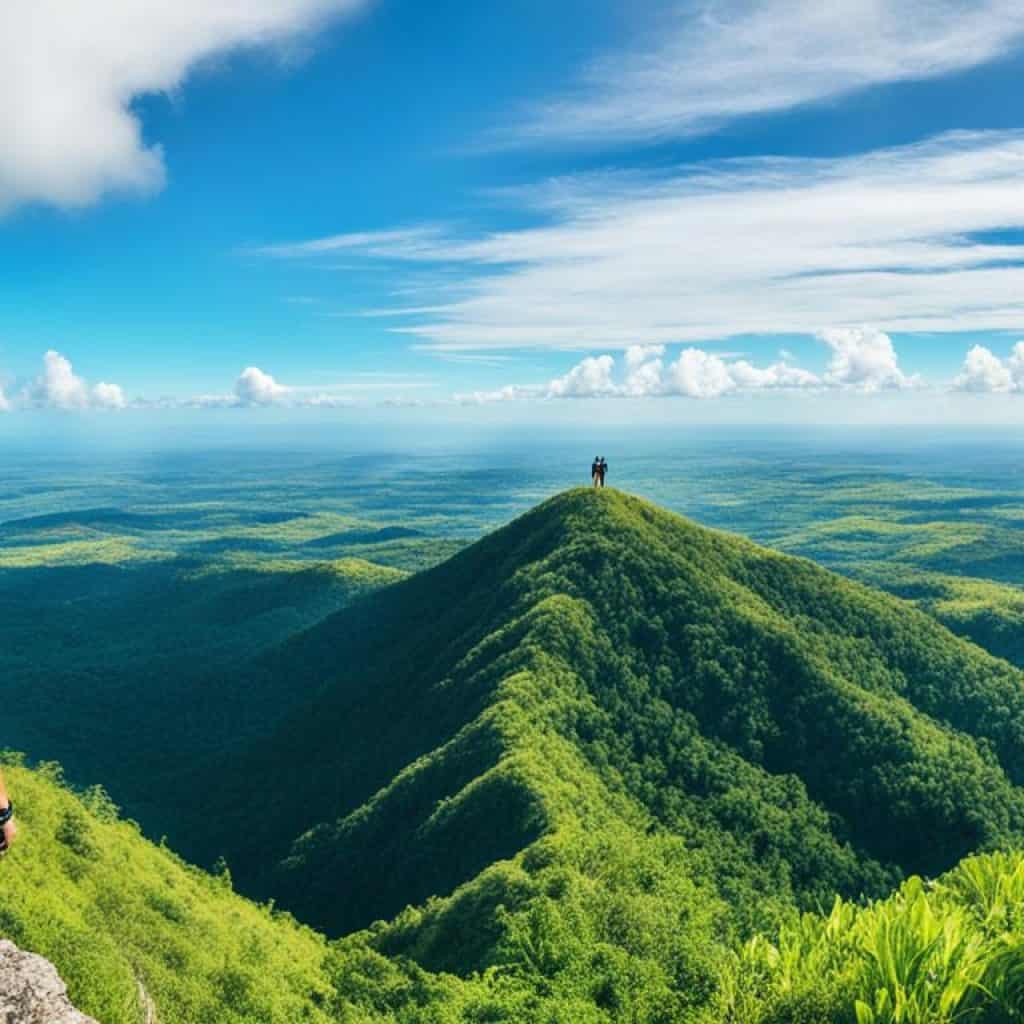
<point>386,211</point>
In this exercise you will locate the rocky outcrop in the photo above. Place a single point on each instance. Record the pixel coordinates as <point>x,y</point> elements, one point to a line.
<point>31,991</point>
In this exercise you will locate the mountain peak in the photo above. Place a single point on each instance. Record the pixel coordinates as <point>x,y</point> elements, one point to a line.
<point>601,658</point>
<point>587,514</point>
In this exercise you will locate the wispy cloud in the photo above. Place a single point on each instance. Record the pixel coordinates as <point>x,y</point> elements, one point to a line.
<point>707,61</point>
<point>471,358</point>
<point>70,73</point>
<point>400,243</point>
<point>908,239</point>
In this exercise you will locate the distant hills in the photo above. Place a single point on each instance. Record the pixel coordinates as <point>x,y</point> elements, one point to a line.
<point>126,674</point>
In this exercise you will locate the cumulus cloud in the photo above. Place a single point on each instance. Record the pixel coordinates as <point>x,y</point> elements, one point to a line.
<point>644,368</point>
<point>589,379</point>
<point>70,73</point>
<point>985,372</point>
<point>254,387</point>
<point>864,358</point>
<point>59,387</point>
<point>695,373</point>
<point>705,63</point>
<point>744,247</point>
<point>778,375</point>
<point>108,396</point>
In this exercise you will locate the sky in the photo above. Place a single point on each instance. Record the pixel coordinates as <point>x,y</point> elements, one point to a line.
<point>387,212</point>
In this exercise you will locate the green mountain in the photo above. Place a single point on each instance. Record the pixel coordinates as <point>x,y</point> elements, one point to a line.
<point>601,665</point>
<point>603,766</point>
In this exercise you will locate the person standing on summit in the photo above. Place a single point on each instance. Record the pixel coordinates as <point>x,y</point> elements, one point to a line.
<point>602,469</point>
<point>595,472</point>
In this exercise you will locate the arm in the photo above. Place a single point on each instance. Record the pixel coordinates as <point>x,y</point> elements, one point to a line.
<point>9,829</point>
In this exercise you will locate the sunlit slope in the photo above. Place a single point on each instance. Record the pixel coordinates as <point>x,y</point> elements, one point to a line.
<point>129,925</point>
<point>604,925</point>
<point>601,663</point>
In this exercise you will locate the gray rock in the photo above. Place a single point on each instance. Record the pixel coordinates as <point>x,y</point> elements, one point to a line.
<point>31,991</point>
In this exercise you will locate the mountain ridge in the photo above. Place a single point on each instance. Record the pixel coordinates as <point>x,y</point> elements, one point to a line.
<point>681,679</point>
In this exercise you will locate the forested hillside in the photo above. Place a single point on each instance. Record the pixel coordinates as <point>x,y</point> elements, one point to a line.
<point>600,664</point>
<point>609,926</point>
<point>603,766</point>
<point>98,660</point>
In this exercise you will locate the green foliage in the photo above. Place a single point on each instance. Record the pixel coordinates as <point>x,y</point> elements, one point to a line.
<point>939,953</point>
<point>608,927</point>
<point>112,551</point>
<point>603,766</point>
<point>126,673</point>
<point>115,913</point>
<point>989,613</point>
<point>600,660</point>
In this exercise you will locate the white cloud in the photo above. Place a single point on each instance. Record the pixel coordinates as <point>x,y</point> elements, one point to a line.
<point>899,238</point>
<point>59,387</point>
<point>509,393</point>
<point>865,359</point>
<point>694,374</point>
<point>706,62</point>
<point>588,379</point>
<point>254,387</point>
<point>320,400</point>
<point>777,376</point>
<point>401,243</point>
<point>108,396</point>
<point>1016,365</point>
<point>985,372</point>
<point>644,369</point>
<point>70,72</point>
<point>697,374</point>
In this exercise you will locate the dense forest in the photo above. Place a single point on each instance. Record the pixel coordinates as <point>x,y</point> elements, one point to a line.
<point>601,658</point>
<point>603,765</point>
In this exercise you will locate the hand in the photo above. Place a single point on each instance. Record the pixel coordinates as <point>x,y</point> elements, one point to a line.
<point>10,830</point>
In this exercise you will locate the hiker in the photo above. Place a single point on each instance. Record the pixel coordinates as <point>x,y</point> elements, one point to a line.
<point>8,830</point>
<point>595,472</point>
<point>602,469</point>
